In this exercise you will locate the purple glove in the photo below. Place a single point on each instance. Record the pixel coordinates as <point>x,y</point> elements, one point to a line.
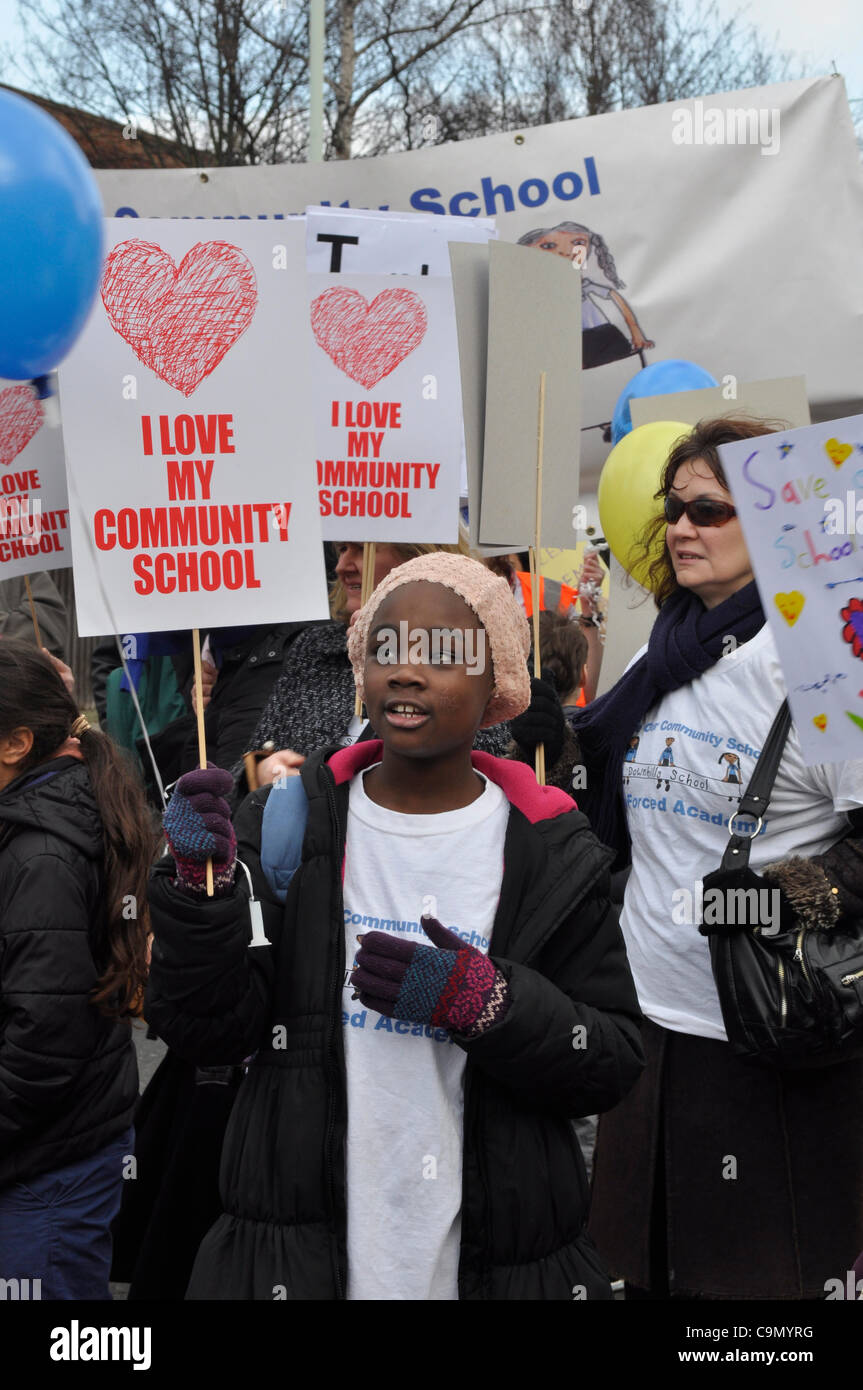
<point>454,987</point>
<point>198,827</point>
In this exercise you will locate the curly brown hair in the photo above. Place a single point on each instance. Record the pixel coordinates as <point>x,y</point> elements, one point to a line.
<point>702,442</point>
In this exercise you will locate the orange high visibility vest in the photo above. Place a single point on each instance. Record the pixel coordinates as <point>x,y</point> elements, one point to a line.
<point>562,596</point>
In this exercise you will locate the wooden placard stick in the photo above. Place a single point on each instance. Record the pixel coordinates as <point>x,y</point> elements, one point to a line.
<point>202,737</point>
<point>367,583</point>
<point>33,611</point>
<point>535,565</point>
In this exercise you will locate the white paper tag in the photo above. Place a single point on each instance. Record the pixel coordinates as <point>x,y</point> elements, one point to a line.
<point>257,916</point>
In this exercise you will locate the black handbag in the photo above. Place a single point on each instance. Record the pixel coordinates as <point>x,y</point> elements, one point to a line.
<point>790,996</point>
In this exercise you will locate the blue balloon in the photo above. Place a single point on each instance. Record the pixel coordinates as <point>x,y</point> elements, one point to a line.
<point>50,240</point>
<point>659,379</point>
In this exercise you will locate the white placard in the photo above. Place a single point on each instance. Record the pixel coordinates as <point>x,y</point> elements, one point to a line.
<point>188,432</point>
<point>34,506</point>
<point>387,418</point>
<point>351,241</point>
<point>796,494</point>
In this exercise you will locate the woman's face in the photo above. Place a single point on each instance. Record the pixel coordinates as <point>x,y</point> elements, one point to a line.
<point>349,569</point>
<point>712,561</point>
<point>573,245</point>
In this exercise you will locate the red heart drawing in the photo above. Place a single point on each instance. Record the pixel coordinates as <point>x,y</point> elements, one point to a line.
<point>21,415</point>
<point>179,322</point>
<point>368,341</point>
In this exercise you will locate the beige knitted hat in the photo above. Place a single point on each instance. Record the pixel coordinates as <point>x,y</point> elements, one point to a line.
<point>491,599</point>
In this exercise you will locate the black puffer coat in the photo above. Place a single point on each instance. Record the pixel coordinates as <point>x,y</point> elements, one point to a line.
<point>68,1076</point>
<point>283,1164</point>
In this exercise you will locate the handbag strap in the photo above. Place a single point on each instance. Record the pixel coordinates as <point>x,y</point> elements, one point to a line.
<point>755,800</point>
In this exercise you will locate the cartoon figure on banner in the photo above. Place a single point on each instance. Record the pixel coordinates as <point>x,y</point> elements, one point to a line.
<point>629,755</point>
<point>368,341</point>
<point>602,341</point>
<point>666,759</point>
<point>21,416</point>
<point>180,321</point>
<point>732,771</point>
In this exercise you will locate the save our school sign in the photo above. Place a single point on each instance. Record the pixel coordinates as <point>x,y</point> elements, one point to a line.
<point>188,434</point>
<point>760,174</point>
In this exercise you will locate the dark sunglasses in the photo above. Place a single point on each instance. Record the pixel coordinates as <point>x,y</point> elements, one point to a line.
<point>702,511</point>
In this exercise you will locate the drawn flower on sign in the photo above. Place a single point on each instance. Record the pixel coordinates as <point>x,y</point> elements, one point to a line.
<point>180,321</point>
<point>852,632</point>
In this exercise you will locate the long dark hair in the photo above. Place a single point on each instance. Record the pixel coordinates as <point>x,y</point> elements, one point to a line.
<point>701,442</point>
<point>32,696</point>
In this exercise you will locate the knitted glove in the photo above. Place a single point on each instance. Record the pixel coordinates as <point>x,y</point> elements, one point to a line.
<point>542,722</point>
<point>198,827</point>
<point>454,987</point>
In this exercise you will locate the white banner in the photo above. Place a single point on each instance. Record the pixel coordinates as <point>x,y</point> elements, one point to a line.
<point>188,433</point>
<point>34,507</point>
<point>724,230</point>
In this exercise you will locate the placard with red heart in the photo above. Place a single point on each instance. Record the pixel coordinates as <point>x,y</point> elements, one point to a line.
<point>21,417</point>
<point>180,321</point>
<point>368,341</point>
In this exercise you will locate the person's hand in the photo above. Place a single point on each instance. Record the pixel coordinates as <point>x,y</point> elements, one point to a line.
<point>284,763</point>
<point>63,671</point>
<point>209,676</point>
<point>198,827</point>
<point>454,986</point>
<point>639,341</point>
<point>591,574</point>
<point>542,722</point>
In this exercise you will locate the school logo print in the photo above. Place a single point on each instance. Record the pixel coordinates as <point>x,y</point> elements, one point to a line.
<point>21,417</point>
<point>368,341</point>
<point>180,321</point>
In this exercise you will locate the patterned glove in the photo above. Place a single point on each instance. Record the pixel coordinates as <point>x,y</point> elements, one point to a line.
<point>454,987</point>
<point>198,827</point>
<point>542,722</point>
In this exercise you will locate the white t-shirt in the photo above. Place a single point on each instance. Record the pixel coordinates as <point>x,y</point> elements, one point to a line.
<point>405,1080</point>
<point>695,755</point>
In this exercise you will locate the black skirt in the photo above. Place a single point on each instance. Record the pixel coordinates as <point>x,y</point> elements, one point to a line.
<point>715,1178</point>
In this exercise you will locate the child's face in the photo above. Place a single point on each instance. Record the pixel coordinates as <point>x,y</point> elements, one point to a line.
<point>428,672</point>
<point>573,245</point>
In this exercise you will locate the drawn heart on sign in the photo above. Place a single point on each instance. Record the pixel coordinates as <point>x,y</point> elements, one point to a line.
<point>820,722</point>
<point>790,605</point>
<point>180,321</point>
<point>21,415</point>
<point>838,452</point>
<point>368,341</point>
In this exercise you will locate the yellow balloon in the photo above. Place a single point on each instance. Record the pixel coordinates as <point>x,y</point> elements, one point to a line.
<point>630,476</point>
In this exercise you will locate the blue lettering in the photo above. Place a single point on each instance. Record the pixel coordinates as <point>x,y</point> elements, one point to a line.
<point>576,184</point>
<point>490,193</point>
<point>762,506</point>
<point>125,212</point>
<point>592,180</point>
<point>542,193</point>
<point>456,201</point>
<point>422,203</point>
<point>384,1022</point>
<point>402,1027</point>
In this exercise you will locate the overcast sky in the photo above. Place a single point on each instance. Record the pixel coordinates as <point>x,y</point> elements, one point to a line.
<point>815,33</point>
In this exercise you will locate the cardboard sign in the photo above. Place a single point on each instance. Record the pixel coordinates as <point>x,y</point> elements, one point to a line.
<point>534,326</point>
<point>187,433</point>
<point>470,292</point>
<point>34,506</point>
<point>797,497</point>
<point>387,419</point>
<point>783,399</point>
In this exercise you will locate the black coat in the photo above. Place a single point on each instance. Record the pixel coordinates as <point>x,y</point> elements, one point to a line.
<point>557,941</point>
<point>68,1076</point>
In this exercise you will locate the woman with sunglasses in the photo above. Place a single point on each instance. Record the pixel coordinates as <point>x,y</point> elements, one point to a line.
<point>716,1178</point>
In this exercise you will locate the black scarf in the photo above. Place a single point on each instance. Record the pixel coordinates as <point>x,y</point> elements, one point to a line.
<point>686,640</point>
